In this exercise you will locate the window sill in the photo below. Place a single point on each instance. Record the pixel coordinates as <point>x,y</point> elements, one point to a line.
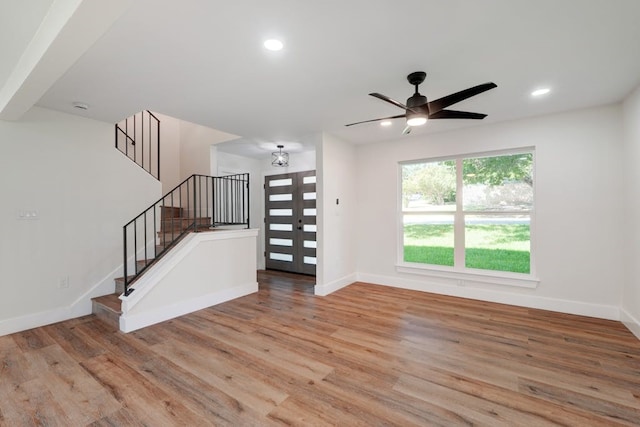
<point>471,276</point>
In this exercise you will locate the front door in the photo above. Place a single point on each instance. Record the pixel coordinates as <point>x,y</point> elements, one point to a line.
<point>290,222</point>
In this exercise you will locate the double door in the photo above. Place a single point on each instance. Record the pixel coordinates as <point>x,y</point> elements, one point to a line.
<point>290,222</point>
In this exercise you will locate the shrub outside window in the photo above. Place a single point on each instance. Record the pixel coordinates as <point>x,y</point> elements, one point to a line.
<point>469,212</point>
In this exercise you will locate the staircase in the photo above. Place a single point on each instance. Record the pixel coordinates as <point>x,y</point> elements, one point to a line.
<point>173,224</point>
<point>200,203</point>
<point>197,204</point>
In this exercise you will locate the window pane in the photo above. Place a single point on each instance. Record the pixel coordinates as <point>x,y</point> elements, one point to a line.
<point>500,183</point>
<point>280,182</point>
<point>281,227</point>
<point>429,186</point>
<point>280,197</point>
<point>281,242</point>
<point>280,212</point>
<point>281,257</point>
<point>498,242</point>
<point>428,239</point>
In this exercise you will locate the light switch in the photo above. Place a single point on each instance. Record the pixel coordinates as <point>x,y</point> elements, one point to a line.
<point>28,214</point>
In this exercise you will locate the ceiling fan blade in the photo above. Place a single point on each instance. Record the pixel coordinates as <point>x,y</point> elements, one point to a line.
<point>389,100</point>
<point>377,120</point>
<point>452,114</point>
<point>444,102</point>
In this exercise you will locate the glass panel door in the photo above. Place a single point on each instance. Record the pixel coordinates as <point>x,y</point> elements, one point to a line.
<point>290,222</point>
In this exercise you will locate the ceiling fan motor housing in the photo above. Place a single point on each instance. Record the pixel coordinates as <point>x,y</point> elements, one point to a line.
<point>418,100</point>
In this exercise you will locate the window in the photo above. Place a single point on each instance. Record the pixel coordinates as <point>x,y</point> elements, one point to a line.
<point>471,212</point>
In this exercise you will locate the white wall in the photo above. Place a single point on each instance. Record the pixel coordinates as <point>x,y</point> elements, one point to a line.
<point>84,190</point>
<point>578,208</point>
<point>186,149</point>
<point>630,301</point>
<point>337,220</point>
<point>169,152</point>
<point>195,151</point>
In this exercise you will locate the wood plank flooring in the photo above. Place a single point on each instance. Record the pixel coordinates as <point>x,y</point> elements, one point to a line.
<point>364,356</point>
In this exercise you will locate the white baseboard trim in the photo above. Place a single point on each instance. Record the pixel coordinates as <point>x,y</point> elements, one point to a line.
<point>518,299</point>
<point>326,289</point>
<point>630,322</point>
<point>132,322</point>
<point>80,307</point>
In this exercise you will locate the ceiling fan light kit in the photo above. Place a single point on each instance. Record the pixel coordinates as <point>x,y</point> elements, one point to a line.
<point>416,119</point>
<point>418,109</point>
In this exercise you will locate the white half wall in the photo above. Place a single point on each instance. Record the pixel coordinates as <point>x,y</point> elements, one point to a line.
<point>630,299</point>
<point>578,212</point>
<point>66,170</point>
<point>204,269</point>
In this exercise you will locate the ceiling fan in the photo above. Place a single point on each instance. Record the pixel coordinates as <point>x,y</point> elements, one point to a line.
<point>418,109</point>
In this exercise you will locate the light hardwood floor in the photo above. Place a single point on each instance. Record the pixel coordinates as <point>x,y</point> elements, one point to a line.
<point>364,356</point>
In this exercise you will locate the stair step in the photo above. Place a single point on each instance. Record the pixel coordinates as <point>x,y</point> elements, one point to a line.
<point>141,263</point>
<point>170,212</point>
<point>180,224</point>
<point>120,284</point>
<point>108,308</point>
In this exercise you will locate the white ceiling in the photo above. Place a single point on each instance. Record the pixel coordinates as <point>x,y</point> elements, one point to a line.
<point>203,61</point>
<point>17,29</point>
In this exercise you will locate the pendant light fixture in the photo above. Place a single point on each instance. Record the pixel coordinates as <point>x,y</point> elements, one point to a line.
<point>280,158</point>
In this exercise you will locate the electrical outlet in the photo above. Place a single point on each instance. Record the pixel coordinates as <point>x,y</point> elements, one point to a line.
<point>63,283</point>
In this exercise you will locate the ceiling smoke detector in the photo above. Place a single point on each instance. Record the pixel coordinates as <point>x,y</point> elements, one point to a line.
<point>80,105</point>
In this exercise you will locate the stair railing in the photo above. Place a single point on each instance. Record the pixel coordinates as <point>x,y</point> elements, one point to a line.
<point>199,203</point>
<point>138,138</point>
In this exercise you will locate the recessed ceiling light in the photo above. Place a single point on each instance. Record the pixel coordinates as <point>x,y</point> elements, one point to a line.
<point>385,123</point>
<point>540,92</point>
<point>273,44</point>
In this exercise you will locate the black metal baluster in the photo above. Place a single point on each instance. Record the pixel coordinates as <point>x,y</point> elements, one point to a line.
<point>126,140</point>
<point>173,212</point>
<point>142,138</point>
<point>155,232</point>
<point>124,263</point>
<point>135,246</point>
<point>248,202</point>
<point>195,182</point>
